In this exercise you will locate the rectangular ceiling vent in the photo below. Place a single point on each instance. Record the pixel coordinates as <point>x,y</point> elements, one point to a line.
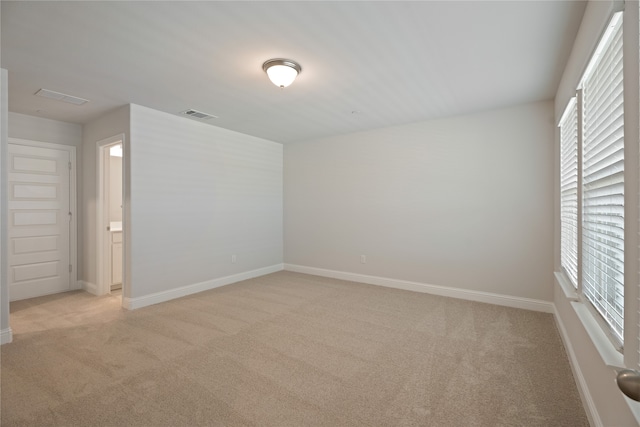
<point>198,114</point>
<point>46,93</point>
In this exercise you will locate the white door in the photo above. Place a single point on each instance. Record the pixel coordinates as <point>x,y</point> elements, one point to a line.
<point>39,221</point>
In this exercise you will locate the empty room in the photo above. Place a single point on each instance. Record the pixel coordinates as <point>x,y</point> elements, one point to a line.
<point>320,213</point>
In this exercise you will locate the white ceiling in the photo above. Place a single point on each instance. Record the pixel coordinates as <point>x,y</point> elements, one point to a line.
<point>394,62</point>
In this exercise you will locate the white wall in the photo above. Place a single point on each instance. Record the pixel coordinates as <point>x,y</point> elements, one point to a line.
<point>464,202</point>
<point>604,402</point>
<point>199,195</point>
<point>111,124</point>
<point>45,130</point>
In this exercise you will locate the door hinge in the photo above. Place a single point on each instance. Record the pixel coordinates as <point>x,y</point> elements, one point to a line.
<point>69,165</point>
<point>70,216</point>
<point>70,268</point>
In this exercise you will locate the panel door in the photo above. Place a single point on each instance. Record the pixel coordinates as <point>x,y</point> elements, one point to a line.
<point>39,221</point>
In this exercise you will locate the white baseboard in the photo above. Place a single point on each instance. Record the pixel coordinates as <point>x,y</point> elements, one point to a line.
<point>486,297</point>
<point>6,336</point>
<point>158,297</point>
<point>92,288</point>
<point>581,382</point>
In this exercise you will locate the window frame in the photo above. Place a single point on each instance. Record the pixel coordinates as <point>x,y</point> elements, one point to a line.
<point>571,117</point>
<point>578,294</point>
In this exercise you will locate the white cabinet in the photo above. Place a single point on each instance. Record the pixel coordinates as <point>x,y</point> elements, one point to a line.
<point>116,258</point>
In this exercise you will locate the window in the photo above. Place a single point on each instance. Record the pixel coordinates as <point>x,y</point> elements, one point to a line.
<point>569,192</point>
<point>603,180</point>
<point>592,176</point>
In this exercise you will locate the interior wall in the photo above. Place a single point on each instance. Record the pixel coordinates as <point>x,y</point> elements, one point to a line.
<point>45,130</point>
<point>109,125</point>
<point>200,195</point>
<point>464,202</point>
<point>603,401</point>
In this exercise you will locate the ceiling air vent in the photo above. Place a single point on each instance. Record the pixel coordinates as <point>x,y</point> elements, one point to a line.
<point>46,93</point>
<point>198,114</point>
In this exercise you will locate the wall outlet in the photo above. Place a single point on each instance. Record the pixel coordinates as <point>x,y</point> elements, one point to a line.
<point>233,259</point>
<point>363,259</point>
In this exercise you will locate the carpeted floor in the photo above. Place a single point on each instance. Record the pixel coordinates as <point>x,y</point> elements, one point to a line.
<point>285,349</point>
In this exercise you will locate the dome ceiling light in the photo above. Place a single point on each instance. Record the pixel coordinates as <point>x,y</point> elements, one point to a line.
<point>282,72</point>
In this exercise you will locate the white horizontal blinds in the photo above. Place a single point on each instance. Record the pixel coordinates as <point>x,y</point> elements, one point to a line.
<point>569,191</point>
<point>603,181</point>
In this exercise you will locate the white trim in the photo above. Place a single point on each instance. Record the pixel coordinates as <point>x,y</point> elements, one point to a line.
<point>486,297</point>
<point>92,288</point>
<point>6,336</point>
<point>581,382</point>
<point>604,40</point>
<point>611,357</point>
<point>41,144</point>
<point>103,285</point>
<point>569,291</point>
<point>158,297</point>
<point>567,109</point>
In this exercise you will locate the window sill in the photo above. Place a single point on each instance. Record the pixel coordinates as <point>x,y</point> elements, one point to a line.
<point>569,291</point>
<point>611,357</point>
<point>609,354</point>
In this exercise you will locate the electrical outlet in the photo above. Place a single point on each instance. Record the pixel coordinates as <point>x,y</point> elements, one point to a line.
<point>233,259</point>
<point>363,259</point>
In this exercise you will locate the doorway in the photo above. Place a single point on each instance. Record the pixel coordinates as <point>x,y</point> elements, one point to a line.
<point>41,221</point>
<point>110,222</point>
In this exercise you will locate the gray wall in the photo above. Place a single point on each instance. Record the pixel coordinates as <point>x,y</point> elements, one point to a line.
<point>45,130</point>
<point>464,202</point>
<point>107,126</point>
<point>200,194</point>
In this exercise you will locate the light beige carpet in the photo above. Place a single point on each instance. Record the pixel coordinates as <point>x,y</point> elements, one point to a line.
<point>285,349</point>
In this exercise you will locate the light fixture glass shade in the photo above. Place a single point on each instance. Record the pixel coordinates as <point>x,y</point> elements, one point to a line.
<point>281,75</point>
<point>281,72</point>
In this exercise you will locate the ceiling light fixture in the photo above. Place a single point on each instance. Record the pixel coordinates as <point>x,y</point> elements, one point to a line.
<point>282,72</point>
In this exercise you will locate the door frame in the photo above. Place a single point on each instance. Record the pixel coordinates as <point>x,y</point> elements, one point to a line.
<point>103,237</point>
<point>73,227</point>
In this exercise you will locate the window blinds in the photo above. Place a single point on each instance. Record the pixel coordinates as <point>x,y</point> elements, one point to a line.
<point>569,191</point>
<point>603,180</point>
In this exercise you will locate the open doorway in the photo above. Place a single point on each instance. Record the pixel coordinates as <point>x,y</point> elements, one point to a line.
<point>110,221</point>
